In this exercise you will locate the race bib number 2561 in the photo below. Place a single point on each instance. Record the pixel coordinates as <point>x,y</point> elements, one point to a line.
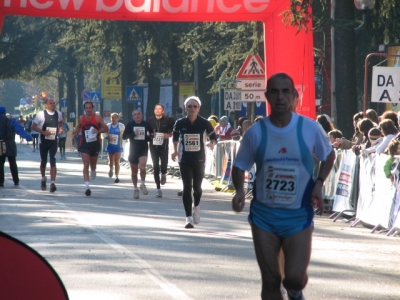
<point>192,142</point>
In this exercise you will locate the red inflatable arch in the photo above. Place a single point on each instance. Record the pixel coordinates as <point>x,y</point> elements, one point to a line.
<point>284,50</point>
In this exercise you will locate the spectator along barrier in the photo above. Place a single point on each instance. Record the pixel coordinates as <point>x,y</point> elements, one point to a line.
<point>356,187</point>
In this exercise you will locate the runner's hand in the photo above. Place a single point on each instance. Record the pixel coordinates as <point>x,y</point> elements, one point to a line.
<point>238,201</point>
<point>317,200</point>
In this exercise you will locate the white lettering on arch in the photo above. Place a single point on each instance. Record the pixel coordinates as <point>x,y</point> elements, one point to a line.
<point>145,7</point>
<point>248,5</point>
<point>7,3</point>
<point>184,7</point>
<point>77,4</point>
<point>45,5</point>
<point>226,9</point>
<point>100,6</point>
<point>156,6</point>
<point>195,6</point>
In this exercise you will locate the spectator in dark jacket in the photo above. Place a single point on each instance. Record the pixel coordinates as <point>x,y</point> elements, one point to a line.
<point>8,128</point>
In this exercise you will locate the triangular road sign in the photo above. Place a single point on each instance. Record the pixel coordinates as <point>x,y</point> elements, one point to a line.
<point>133,95</point>
<point>253,67</point>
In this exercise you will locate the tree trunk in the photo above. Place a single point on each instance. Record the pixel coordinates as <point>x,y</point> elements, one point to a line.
<point>128,67</point>
<point>80,83</point>
<point>154,83</point>
<point>326,100</point>
<point>176,74</point>
<point>346,92</point>
<point>71,95</point>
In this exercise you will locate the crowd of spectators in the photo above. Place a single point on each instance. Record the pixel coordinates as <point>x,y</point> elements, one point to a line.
<point>372,134</point>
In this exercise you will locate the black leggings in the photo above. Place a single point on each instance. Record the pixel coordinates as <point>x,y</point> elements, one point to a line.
<point>192,177</point>
<point>61,144</point>
<point>45,149</point>
<point>13,168</point>
<point>158,153</point>
<point>35,137</point>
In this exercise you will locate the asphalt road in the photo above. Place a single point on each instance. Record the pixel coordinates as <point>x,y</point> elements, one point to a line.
<point>110,246</point>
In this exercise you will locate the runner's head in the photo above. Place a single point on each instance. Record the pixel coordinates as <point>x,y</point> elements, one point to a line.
<point>159,110</point>
<point>50,105</point>
<point>114,118</point>
<point>280,93</point>
<point>192,106</point>
<point>137,116</point>
<point>88,107</point>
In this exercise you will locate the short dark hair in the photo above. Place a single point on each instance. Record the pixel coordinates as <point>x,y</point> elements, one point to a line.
<point>281,76</point>
<point>179,110</point>
<point>335,133</point>
<point>159,104</point>
<point>84,103</point>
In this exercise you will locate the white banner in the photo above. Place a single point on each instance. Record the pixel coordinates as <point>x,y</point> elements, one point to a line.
<point>345,182</point>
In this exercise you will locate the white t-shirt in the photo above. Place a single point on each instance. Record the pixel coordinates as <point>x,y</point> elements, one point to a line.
<point>284,159</point>
<point>39,119</point>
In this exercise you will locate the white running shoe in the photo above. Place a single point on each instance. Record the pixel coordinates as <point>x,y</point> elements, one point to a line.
<point>136,194</point>
<point>110,173</point>
<point>92,174</point>
<point>144,189</point>
<point>159,194</point>
<point>189,223</point>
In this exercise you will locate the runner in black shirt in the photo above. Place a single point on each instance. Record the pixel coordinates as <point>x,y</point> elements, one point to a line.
<point>162,131</point>
<point>138,132</point>
<point>190,134</point>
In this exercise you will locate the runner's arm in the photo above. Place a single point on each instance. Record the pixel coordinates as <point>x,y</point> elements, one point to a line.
<point>239,198</point>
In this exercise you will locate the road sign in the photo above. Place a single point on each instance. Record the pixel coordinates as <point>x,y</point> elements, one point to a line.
<point>251,84</point>
<point>385,84</point>
<point>22,101</point>
<point>85,95</point>
<point>64,102</point>
<point>111,84</point>
<point>232,99</point>
<point>28,101</point>
<point>133,93</point>
<point>95,97</point>
<point>253,67</point>
<point>253,96</point>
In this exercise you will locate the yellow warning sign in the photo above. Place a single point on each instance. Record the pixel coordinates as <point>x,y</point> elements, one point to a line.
<point>111,85</point>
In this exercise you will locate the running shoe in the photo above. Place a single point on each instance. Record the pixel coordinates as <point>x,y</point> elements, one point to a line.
<point>163,179</point>
<point>180,193</point>
<point>34,150</point>
<point>144,189</point>
<point>136,194</point>
<point>284,292</point>
<point>110,173</point>
<point>53,188</point>
<point>16,183</point>
<point>88,192</point>
<point>116,180</point>
<point>92,174</point>
<point>43,183</point>
<point>295,295</point>
<point>159,194</point>
<point>196,215</point>
<point>189,223</point>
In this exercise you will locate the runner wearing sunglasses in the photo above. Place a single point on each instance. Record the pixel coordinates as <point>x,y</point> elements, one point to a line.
<point>190,134</point>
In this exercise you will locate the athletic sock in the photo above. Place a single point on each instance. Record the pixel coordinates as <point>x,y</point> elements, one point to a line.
<point>142,181</point>
<point>87,184</point>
